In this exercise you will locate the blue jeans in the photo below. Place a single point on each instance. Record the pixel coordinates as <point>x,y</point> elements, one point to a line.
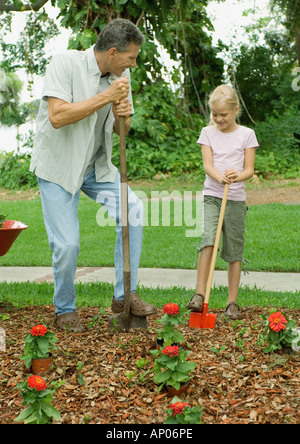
<point>60,211</point>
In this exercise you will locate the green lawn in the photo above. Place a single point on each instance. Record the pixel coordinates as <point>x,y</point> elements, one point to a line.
<point>272,238</point>
<point>100,294</point>
<point>272,244</point>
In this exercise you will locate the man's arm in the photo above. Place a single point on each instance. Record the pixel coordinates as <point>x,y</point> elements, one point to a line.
<point>62,113</point>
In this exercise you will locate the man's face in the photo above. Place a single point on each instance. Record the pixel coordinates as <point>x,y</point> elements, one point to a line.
<point>119,61</point>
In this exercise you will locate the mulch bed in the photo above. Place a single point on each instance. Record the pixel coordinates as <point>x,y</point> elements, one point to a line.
<point>235,383</point>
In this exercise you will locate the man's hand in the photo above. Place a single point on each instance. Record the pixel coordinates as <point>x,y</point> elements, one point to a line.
<point>119,90</point>
<point>122,108</point>
<point>62,113</point>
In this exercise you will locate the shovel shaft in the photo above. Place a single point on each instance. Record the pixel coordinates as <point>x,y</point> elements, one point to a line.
<point>216,245</point>
<point>124,212</point>
<point>204,320</point>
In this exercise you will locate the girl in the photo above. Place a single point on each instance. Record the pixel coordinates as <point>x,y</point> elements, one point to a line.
<point>228,152</point>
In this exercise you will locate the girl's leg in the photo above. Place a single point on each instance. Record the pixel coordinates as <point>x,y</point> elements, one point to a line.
<point>203,269</point>
<point>196,303</point>
<point>211,211</point>
<point>232,252</point>
<point>234,275</point>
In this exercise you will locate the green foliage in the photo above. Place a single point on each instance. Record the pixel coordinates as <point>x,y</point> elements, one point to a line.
<point>11,112</point>
<point>172,371</point>
<point>160,139</point>
<point>168,332</point>
<point>278,340</point>
<point>279,138</point>
<point>39,410</point>
<point>29,51</point>
<point>258,78</point>
<point>189,415</point>
<point>14,171</point>
<point>38,347</point>
<point>2,219</point>
<point>291,9</point>
<point>179,27</point>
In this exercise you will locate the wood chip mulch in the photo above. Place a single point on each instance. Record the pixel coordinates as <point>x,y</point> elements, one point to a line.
<point>234,383</point>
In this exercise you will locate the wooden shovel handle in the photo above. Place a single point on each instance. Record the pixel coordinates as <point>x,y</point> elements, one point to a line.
<point>216,245</point>
<point>125,224</point>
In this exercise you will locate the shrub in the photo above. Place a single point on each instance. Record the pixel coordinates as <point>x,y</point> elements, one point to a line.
<point>279,151</point>
<point>14,171</point>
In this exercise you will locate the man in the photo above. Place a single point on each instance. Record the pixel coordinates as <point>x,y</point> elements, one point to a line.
<point>85,93</point>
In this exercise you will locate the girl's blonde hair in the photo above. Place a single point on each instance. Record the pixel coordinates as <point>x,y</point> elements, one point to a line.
<point>224,94</point>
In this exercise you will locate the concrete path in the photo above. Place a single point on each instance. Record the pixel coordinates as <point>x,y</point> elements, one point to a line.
<point>155,277</point>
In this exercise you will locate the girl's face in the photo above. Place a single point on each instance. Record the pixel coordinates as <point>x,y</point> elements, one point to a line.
<point>224,117</point>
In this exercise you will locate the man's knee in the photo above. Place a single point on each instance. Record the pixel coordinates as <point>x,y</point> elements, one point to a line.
<point>67,251</point>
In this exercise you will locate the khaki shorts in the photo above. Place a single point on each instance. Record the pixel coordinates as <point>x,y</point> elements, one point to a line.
<point>233,227</point>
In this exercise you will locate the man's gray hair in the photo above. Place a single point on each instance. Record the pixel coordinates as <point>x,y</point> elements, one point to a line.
<point>119,34</point>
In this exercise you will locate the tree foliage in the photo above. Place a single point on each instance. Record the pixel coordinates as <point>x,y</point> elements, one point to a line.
<point>21,6</point>
<point>29,54</point>
<point>179,27</point>
<point>171,110</point>
<point>11,112</point>
<point>291,18</point>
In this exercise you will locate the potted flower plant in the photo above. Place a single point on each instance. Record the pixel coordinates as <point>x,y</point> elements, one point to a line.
<point>168,335</point>
<point>39,344</point>
<point>279,333</point>
<point>182,413</point>
<point>172,369</point>
<point>38,398</point>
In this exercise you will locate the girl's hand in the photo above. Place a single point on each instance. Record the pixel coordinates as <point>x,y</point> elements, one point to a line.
<point>231,175</point>
<point>224,180</point>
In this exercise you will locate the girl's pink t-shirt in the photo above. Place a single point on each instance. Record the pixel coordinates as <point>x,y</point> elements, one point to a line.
<point>228,153</point>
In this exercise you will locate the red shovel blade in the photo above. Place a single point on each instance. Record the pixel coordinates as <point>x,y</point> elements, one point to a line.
<point>202,320</point>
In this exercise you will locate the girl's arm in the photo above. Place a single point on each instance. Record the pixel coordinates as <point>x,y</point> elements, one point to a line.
<point>248,172</point>
<point>208,164</point>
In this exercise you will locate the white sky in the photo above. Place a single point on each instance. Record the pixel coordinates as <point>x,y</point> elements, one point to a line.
<point>226,17</point>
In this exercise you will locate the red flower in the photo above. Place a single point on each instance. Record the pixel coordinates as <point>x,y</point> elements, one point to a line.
<point>171,350</point>
<point>171,309</point>
<point>38,330</point>
<point>178,407</point>
<point>277,321</point>
<point>36,382</point>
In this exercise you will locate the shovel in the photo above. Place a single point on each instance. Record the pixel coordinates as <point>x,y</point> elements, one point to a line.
<point>124,321</point>
<point>204,320</point>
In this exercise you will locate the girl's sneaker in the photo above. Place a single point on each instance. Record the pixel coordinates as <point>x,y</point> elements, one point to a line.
<point>196,303</point>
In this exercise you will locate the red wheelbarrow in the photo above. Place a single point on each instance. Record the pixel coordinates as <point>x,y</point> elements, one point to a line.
<point>9,233</point>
